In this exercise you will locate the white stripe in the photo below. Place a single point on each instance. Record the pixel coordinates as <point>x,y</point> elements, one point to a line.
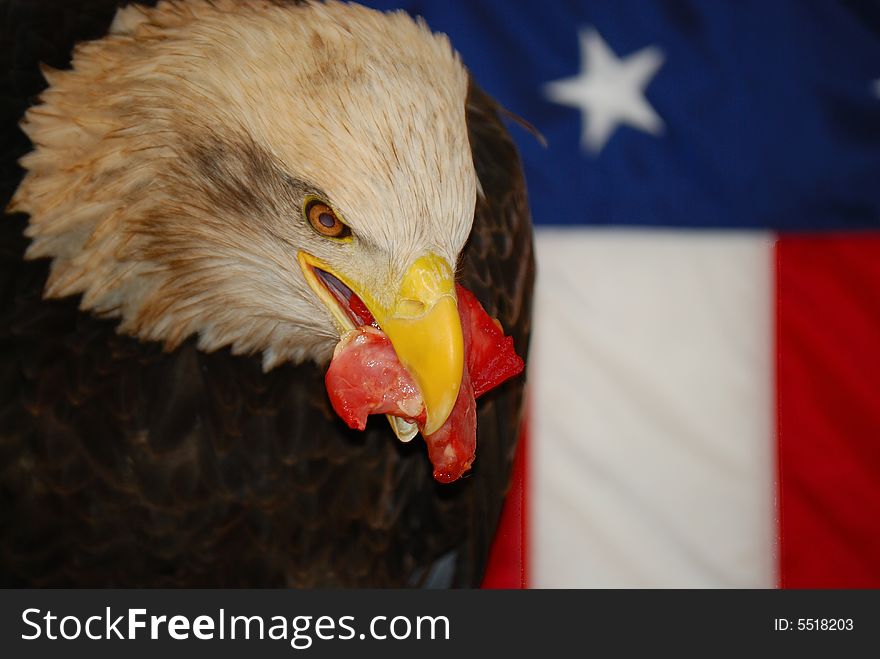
<point>652,443</point>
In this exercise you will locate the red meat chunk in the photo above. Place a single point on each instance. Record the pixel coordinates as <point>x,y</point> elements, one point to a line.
<point>365,377</point>
<point>490,355</point>
<point>453,446</point>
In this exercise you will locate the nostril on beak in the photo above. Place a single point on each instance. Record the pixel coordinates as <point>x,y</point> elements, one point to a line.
<point>409,308</point>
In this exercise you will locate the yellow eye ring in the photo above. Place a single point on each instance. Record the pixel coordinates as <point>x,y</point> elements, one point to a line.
<point>325,221</point>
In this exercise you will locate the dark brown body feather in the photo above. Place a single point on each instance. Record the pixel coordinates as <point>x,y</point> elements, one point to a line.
<point>123,465</point>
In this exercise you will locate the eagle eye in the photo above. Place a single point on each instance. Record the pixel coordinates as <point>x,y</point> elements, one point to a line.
<point>325,221</point>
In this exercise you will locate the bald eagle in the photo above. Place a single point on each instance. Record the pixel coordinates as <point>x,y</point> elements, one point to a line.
<point>204,188</point>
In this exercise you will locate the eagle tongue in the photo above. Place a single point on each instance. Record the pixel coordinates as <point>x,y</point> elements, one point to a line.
<point>359,309</point>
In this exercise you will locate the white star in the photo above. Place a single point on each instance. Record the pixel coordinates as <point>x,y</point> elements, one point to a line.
<point>609,91</point>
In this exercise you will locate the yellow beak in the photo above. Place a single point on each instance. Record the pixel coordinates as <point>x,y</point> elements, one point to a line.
<point>422,324</point>
<point>425,330</point>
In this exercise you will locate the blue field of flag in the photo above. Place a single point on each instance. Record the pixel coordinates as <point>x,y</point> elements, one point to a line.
<point>680,113</point>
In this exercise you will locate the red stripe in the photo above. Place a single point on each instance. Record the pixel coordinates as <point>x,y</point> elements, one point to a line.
<point>828,370</point>
<point>508,564</point>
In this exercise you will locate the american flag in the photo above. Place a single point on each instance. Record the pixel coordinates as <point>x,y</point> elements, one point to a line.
<point>705,374</point>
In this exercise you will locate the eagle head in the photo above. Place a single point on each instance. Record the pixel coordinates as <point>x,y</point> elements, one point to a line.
<point>262,175</point>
